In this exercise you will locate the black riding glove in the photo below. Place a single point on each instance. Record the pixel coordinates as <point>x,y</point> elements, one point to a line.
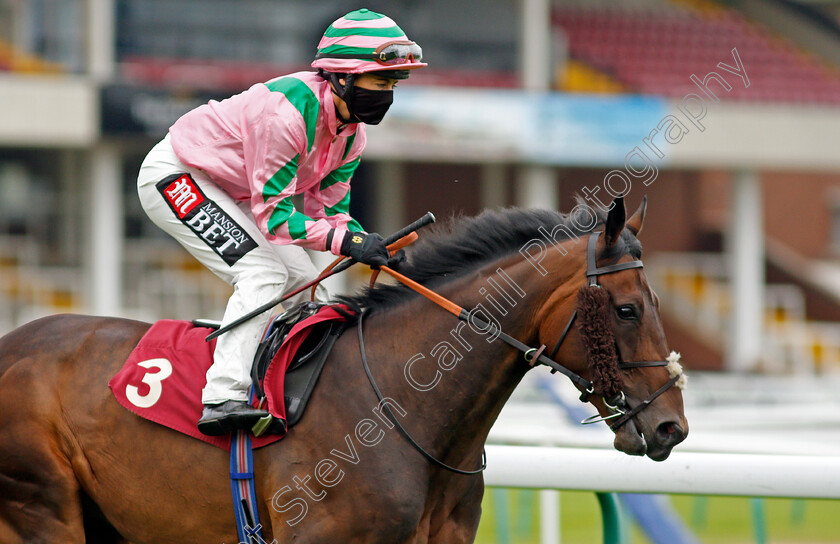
<point>366,248</point>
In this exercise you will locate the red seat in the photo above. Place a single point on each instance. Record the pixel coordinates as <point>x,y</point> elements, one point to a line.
<point>656,51</point>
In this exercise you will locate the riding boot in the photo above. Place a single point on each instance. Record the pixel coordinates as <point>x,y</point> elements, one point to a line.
<point>220,419</point>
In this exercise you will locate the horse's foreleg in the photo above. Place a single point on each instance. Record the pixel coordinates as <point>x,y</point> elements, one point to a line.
<point>461,525</point>
<point>39,494</point>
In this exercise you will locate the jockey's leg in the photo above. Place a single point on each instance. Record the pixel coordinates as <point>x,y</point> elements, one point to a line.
<point>257,275</point>
<point>301,270</point>
<point>230,375</point>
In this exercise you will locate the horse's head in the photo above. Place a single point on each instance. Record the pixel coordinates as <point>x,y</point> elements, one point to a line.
<point>617,341</point>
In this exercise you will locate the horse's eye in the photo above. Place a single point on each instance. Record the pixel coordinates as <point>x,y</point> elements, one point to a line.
<point>626,312</point>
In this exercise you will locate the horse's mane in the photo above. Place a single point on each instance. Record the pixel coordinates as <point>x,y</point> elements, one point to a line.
<point>464,244</point>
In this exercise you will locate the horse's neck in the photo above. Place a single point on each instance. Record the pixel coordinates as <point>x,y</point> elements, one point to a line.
<point>451,379</point>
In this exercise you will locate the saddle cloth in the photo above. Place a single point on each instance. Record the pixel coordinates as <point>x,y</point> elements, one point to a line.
<point>163,376</point>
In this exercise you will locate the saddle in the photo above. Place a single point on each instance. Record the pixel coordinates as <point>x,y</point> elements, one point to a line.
<point>306,364</point>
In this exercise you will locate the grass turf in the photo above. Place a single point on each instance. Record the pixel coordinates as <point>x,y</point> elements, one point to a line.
<point>512,517</point>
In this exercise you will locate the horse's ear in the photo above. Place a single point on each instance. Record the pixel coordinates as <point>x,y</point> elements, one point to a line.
<point>615,222</point>
<point>634,224</point>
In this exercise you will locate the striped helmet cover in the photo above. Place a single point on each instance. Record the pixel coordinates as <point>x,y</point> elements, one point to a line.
<point>360,31</point>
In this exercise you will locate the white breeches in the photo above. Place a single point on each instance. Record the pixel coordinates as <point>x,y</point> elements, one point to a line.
<point>229,243</point>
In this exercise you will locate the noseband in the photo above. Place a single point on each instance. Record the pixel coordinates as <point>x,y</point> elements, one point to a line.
<point>617,404</point>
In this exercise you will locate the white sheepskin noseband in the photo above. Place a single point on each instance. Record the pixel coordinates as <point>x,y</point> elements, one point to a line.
<point>675,369</point>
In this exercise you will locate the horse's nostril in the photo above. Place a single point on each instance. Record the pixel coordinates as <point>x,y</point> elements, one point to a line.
<point>670,431</point>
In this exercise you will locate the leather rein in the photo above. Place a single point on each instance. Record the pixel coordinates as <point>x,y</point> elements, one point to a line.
<point>618,405</point>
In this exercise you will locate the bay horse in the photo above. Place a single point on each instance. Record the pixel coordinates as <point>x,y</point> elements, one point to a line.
<point>77,467</point>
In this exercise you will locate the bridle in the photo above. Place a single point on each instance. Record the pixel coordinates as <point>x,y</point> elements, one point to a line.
<point>618,405</point>
<point>622,413</point>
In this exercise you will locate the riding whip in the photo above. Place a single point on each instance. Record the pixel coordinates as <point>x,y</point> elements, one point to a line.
<point>427,219</point>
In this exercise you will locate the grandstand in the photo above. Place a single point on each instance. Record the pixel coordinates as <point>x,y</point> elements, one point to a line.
<point>647,47</point>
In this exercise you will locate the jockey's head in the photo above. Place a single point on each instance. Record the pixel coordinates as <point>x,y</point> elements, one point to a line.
<point>363,54</point>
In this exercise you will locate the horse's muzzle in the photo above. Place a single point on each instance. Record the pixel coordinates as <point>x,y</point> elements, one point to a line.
<point>629,440</point>
<point>658,445</point>
<point>667,435</point>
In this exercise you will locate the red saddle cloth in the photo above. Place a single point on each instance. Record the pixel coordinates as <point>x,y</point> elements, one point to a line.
<point>163,376</point>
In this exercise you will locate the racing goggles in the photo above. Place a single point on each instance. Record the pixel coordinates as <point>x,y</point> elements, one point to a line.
<point>398,53</point>
<point>389,54</point>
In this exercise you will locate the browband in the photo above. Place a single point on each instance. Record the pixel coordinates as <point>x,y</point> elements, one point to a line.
<point>592,270</point>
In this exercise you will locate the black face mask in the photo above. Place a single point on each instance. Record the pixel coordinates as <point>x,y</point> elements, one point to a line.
<point>369,107</point>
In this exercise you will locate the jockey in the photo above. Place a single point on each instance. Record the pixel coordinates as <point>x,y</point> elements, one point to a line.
<point>223,179</point>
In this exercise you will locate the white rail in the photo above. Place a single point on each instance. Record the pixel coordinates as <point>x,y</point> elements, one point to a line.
<point>816,477</point>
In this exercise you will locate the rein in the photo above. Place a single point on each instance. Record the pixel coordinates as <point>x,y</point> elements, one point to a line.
<point>396,422</point>
<point>533,356</point>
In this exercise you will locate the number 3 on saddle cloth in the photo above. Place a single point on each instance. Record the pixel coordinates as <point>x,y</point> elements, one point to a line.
<point>163,376</point>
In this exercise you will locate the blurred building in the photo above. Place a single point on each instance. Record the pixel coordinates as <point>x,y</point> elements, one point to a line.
<point>725,114</point>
